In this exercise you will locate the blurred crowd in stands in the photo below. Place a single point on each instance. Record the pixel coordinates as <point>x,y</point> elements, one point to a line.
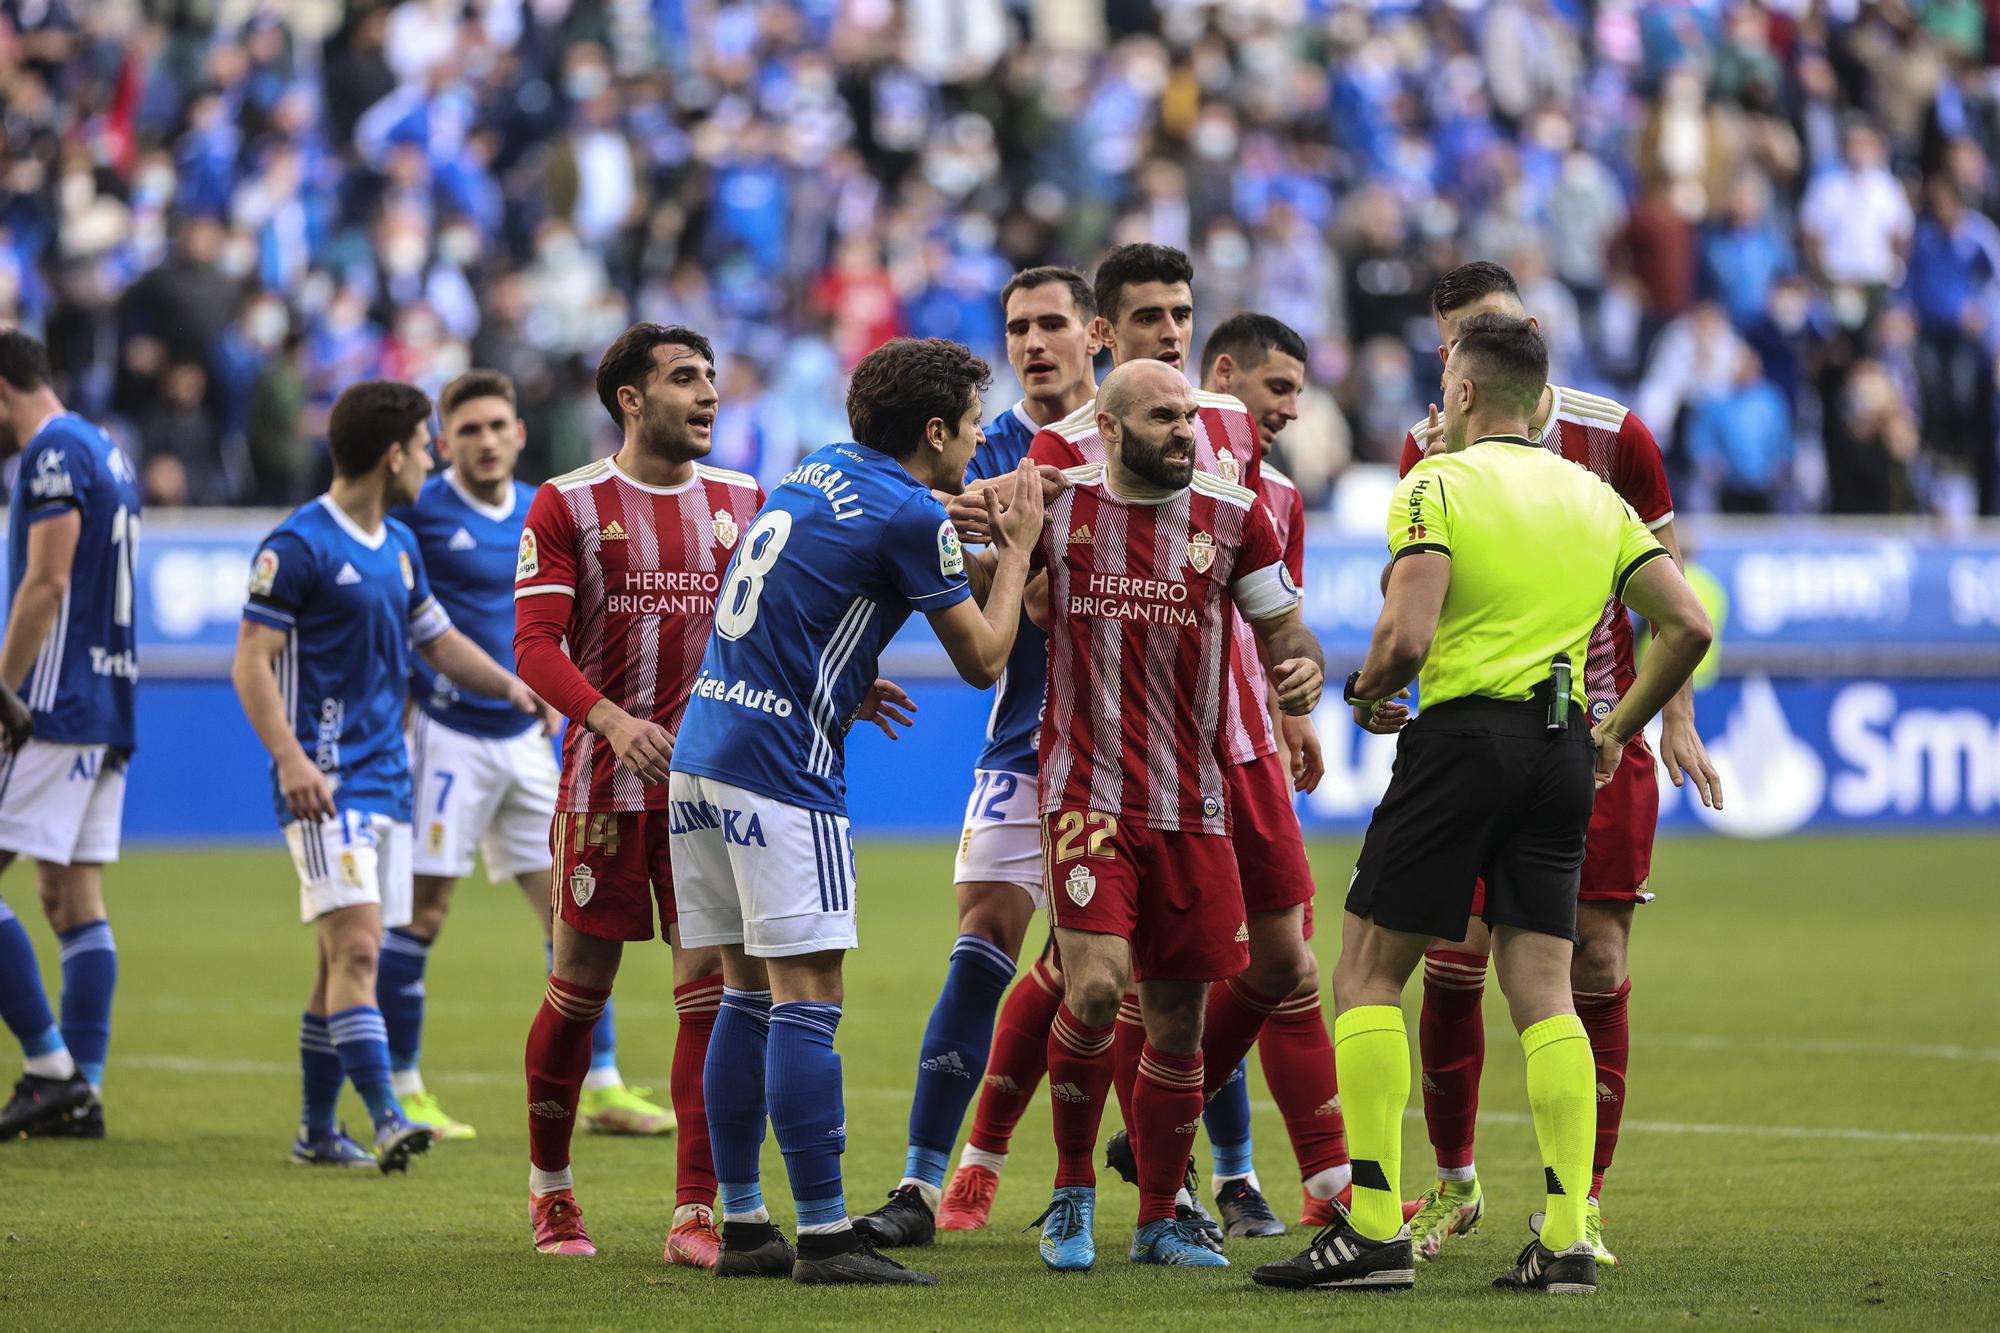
<point>1764,226</point>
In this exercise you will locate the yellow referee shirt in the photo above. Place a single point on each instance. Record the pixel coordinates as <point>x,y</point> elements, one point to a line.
<point>1537,544</point>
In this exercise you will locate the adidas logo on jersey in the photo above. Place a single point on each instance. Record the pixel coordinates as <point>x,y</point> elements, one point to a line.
<point>1080,535</point>
<point>614,531</point>
<point>462,541</point>
<point>347,576</point>
<point>946,1063</point>
<point>1068,1092</point>
<point>549,1110</point>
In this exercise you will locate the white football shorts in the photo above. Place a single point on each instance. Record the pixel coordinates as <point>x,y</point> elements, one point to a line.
<point>354,858</point>
<point>62,803</point>
<point>777,879</point>
<point>1002,841</point>
<point>472,792</point>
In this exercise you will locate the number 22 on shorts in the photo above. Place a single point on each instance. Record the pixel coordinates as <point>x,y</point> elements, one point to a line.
<point>1087,831</point>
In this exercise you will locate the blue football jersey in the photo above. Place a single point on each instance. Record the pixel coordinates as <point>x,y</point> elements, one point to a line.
<point>1015,723</point>
<point>81,684</point>
<point>351,605</point>
<point>469,548</point>
<point>841,553</point>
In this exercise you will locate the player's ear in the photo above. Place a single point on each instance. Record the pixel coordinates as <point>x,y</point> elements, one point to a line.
<point>1100,331</point>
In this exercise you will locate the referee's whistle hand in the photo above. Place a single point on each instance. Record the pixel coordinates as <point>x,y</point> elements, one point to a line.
<point>1298,682</point>
<point>1386,718</point>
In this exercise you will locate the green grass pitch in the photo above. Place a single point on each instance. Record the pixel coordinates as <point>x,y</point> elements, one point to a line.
<point>1812,1138</point>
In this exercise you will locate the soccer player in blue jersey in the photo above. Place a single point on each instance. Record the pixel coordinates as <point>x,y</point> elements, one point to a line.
<point>847,546</point>
<point>1050,343</point>
<point>338,596</point>
<point>71,537</point>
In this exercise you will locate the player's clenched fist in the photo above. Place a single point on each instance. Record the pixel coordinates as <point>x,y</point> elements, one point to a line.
<point>1297,681</point>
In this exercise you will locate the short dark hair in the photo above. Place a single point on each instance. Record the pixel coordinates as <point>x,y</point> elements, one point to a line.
<point>906,382</point>
<point>1030,278</point>
<point>1468,282</point>
<point>368,418</point>
<point>1249,338</point>
<point>474,384</point>
<point>24,362</point>
<point>1130,265</point>
<point>627,362</point>
<point>1506,357</point>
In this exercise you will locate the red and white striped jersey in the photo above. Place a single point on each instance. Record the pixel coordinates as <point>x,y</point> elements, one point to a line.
<point>1225,445</point>
<point>1141,594</point>
<point>1609,439</point>
<point>622,576</point>
<point>1288,514</point>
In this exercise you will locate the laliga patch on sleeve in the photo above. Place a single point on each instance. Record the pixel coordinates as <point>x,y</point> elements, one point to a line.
<point>530,563</point>
<point>951,556</point>
<point>264,573</point>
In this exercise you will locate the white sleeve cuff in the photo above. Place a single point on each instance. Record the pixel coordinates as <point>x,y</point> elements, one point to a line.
<point>428,623</point>
<point>537,589</point>
<point>1264,593</point>
<point>1661,521</point>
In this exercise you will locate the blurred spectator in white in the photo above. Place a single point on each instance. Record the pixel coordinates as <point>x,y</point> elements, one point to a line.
<point>1855,219</point>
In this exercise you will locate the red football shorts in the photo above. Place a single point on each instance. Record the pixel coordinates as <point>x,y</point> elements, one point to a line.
<point>1174,896</point>
<point>1618,850</point>
<point>610,871</point>
<point>1270,849</point>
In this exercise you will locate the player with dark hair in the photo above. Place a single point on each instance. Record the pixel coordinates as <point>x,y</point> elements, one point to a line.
<point>1048,313</point>
<point>1611,441</point>
<point>338,596</point>
<point>851,542</point>
<point>614,593</point>
<point>72,548</point>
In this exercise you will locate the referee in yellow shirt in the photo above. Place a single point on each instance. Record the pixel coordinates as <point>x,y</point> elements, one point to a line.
<point>1503,557</point>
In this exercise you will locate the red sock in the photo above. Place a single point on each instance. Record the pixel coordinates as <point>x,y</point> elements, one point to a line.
<point>1452,1037</point>
<point>1019,1058</point>
<point>1129,1041</point>
<point>1604,1018</point>
<point>1167,1110</point>
<point>1236,1014</point>
<point>1079,1076</point>
<point>1298,1065</point>
<point>558,1058</point>
<point>696,1005</point>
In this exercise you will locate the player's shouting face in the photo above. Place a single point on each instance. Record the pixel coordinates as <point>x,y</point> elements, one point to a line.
<point>677,403</point>
<point>1152,321</point>
<point>1146,413</point>
<point>1049,342</point>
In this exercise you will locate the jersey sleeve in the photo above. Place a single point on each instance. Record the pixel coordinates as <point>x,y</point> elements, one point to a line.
<point>1637,547</point>
<point>55,480</point>
<point>1411,454</point>
<point>1420,515</point>
<point>1263,586</point>
<point>1295,535</point>
<point>546,562</point>
<point>1639,474</point>
<point>282,577</point>
<point>925,562</point>
<point>1050,447</point>
<point>545,576</point>
<point>428,618</point>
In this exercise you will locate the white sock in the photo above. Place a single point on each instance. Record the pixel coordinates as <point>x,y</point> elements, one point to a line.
<point>548,1182</point>
<point>599,1079</point>
<point>827,1229</point>
<point>689,1212</point>
<point>1466,1172</point>
<point>1215,1183</point>
<point>1182,1199</point>
<point>760,1214</point>
<point>405,1083</point>
<point>1330,1182</point>
<point>926,1191</point>
<point>58,1063</point>
<point>992,1161</point>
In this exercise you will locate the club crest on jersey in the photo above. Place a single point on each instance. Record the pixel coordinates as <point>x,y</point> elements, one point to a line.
<point>1082,885</point>
<point>614,531</point>
<point>951,556</point>
<point>409,573</point>
<point>582,885</point>
<point>1227,468</point>
<point>530,562</point>
<point>264,573</point>
<point>1201,552</point>
<point>725,528</point>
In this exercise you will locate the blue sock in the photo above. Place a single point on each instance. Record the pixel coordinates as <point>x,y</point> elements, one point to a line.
<point>363,1044</point>
<point>23,1003</point>
<point>1227,1119</point>
<point>319,1064</point>
<point>399,990</point>
<point>732,1085</point>
<point>603,1037</point>
<point>802,1078</point>
<point>952,1060</point>
<point>90,975</point>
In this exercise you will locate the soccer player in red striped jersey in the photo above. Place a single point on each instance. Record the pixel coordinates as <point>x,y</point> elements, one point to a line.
<point>1144,554</point>
<point>614,596</point>
<point>1611,441</point>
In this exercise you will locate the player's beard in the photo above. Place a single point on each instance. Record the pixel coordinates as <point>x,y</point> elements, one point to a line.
<point>1151,465</point>
<point>670,437</point>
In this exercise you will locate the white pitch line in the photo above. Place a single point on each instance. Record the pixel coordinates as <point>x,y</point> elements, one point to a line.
<point>178,1064</point>
<point>1694,1041</point>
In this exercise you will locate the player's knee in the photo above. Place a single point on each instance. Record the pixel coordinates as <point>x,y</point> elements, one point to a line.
<point>1281,972</point>
<point>1308,982</point>
<point>1176,1030</point>
<point>1093,995</point>
<point>351,955</point>
<point>694,964</point>
<point>1599,964</point>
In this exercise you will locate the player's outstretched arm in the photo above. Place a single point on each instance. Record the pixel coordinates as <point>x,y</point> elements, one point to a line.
<point>44,580</point>
<point>1681,637</point>
<point>977,637</point>
<point>455,655</point>
<point>304,786</point>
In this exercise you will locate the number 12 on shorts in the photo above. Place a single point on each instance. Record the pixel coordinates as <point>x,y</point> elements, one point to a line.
<point>991,793</point>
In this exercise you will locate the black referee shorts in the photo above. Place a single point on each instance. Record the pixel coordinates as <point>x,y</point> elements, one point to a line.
<point>1480,790</point>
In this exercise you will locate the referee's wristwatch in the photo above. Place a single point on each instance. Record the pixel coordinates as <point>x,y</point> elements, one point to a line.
<point>1347,692</point>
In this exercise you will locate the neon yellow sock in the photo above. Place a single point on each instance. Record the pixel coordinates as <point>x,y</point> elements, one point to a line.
<point>1562,1093</point>
<point>1372,1052</point>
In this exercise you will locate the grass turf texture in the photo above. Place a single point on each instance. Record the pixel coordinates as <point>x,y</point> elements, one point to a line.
<point>1811,1139</point>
